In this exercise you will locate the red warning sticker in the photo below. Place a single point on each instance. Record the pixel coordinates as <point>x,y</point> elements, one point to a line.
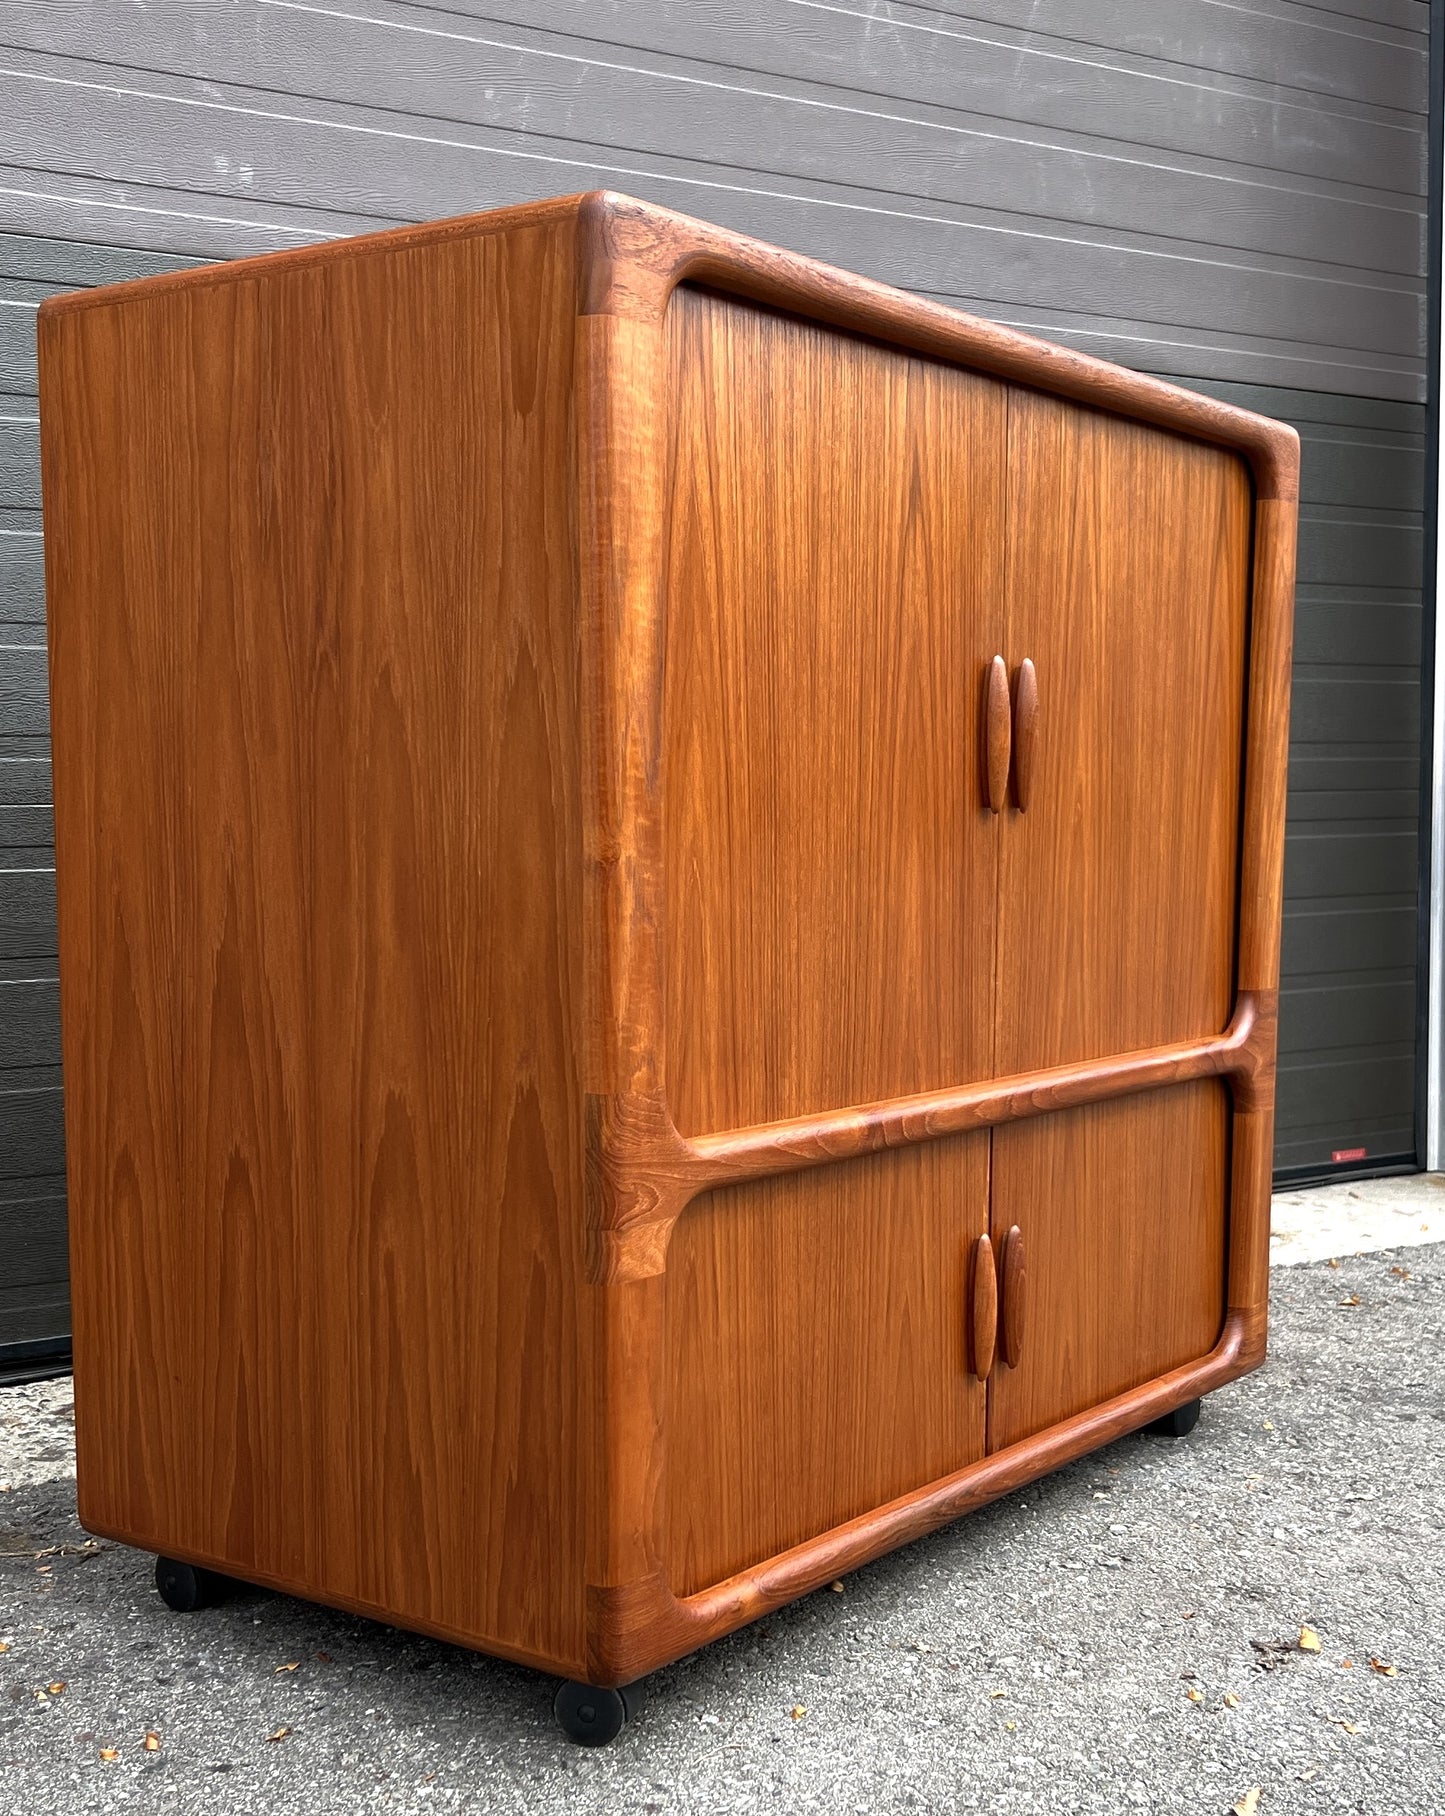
<point>1347,1154</point>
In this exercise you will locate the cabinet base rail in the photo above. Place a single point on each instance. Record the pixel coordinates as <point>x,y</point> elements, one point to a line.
<point>637,1627</point>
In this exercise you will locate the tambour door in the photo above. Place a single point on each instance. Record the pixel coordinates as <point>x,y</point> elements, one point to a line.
<point>1128,583</point>
<point>833,594</point>
<point>819,1351</point>
<point>1118,1211</point>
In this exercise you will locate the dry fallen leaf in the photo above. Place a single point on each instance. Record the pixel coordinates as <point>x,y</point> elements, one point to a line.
<point>1402,1273</point>
<point>1194,1693</point>
<point>1333,1262</point>
<point>152,1742</point>
<point>1270,1653</point>
<point>1231,1700</point>
<point>4,1645</point>
<point>57,1688</point>
<point>1249,1803</point>
<point>295,1665</point>
<point>1378,1664</point>
<point>1012,1727</point>
<point>1309,1640</point>
<point>323,1658</point>
<point>1269,1425</point>
<point>1354,1299</point>
<point>1347,1664</point>
<point>280,1734</point>
<point>994,1695</point>
<point>797,1711</point>
<point>1348,1726</point>
<point>110,1754</point>
<point>837,1587</point>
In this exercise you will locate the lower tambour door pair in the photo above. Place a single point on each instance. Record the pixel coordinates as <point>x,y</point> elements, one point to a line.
<point>624,799</point>
<point>823,1345</point>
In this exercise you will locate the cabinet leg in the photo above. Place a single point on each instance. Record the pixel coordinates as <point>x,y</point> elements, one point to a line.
<point>1179,1423</point>
<point>592,1717</point>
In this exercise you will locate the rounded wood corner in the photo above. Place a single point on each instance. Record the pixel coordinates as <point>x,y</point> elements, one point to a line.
<point>632,1628</point>
<point>629,255</point>
<point>1273,451</point>
<point>1247,1335</point>
<point>641,1176</point>
<point>1254,1033</point>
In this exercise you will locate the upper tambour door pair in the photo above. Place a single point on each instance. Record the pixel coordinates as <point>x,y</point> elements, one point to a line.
<point>853,535</point>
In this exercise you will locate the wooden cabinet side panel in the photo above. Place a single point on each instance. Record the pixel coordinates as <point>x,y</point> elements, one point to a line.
<point>311,541</point>
<point>1122,1210</point>
<point>834,572</point>
<point>819,1351</point>
<point>1128,583</point>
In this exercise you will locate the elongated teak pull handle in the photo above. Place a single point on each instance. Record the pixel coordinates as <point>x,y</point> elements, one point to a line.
<point>985,1307</point>
<point>997,733</point>
<point>1012,1270</point>
<point>1026,732</point>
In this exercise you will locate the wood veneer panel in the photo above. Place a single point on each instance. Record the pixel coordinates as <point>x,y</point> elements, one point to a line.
<point>1121,1209</point>
<point>1128,583</point>
<point>819,1351</point>
<point>314,669</point>
<point>834,573</point>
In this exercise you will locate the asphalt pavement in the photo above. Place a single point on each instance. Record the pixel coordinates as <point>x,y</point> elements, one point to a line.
<point>1124,1636</point>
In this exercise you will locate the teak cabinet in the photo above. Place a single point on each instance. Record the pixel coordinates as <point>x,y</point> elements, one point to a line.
<point>669,877</point>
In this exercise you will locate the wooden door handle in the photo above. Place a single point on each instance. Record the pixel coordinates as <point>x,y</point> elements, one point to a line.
<point>1026,732</point>
<point>985,1307</point>
<point>1012,1296</point>
<point>997,734</point>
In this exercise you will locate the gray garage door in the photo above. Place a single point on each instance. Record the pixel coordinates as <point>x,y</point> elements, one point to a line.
<point>1230,195</point>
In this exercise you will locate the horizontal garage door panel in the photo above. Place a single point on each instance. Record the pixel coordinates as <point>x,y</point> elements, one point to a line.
<point>1324,939</point>
<point>22,576</point>
<point>32,1133</point>
<point>34,1289</point>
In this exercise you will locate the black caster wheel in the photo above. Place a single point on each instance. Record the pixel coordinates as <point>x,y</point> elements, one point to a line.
<point>186,1587</point>
<point>591,1717</point>
<point>1179,1423</point>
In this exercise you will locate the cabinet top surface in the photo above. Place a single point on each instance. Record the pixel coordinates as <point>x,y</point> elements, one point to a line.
<point>631,256</point>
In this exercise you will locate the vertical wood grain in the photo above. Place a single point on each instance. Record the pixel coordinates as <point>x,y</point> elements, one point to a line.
<point>1121,1208</point>
<point>820,1349</point>
<point>314,661</point>
<point>834,588</point>
<point>1128,583</point>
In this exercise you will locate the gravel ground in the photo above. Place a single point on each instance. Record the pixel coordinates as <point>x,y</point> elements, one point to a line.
<point>1087,1645</point>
